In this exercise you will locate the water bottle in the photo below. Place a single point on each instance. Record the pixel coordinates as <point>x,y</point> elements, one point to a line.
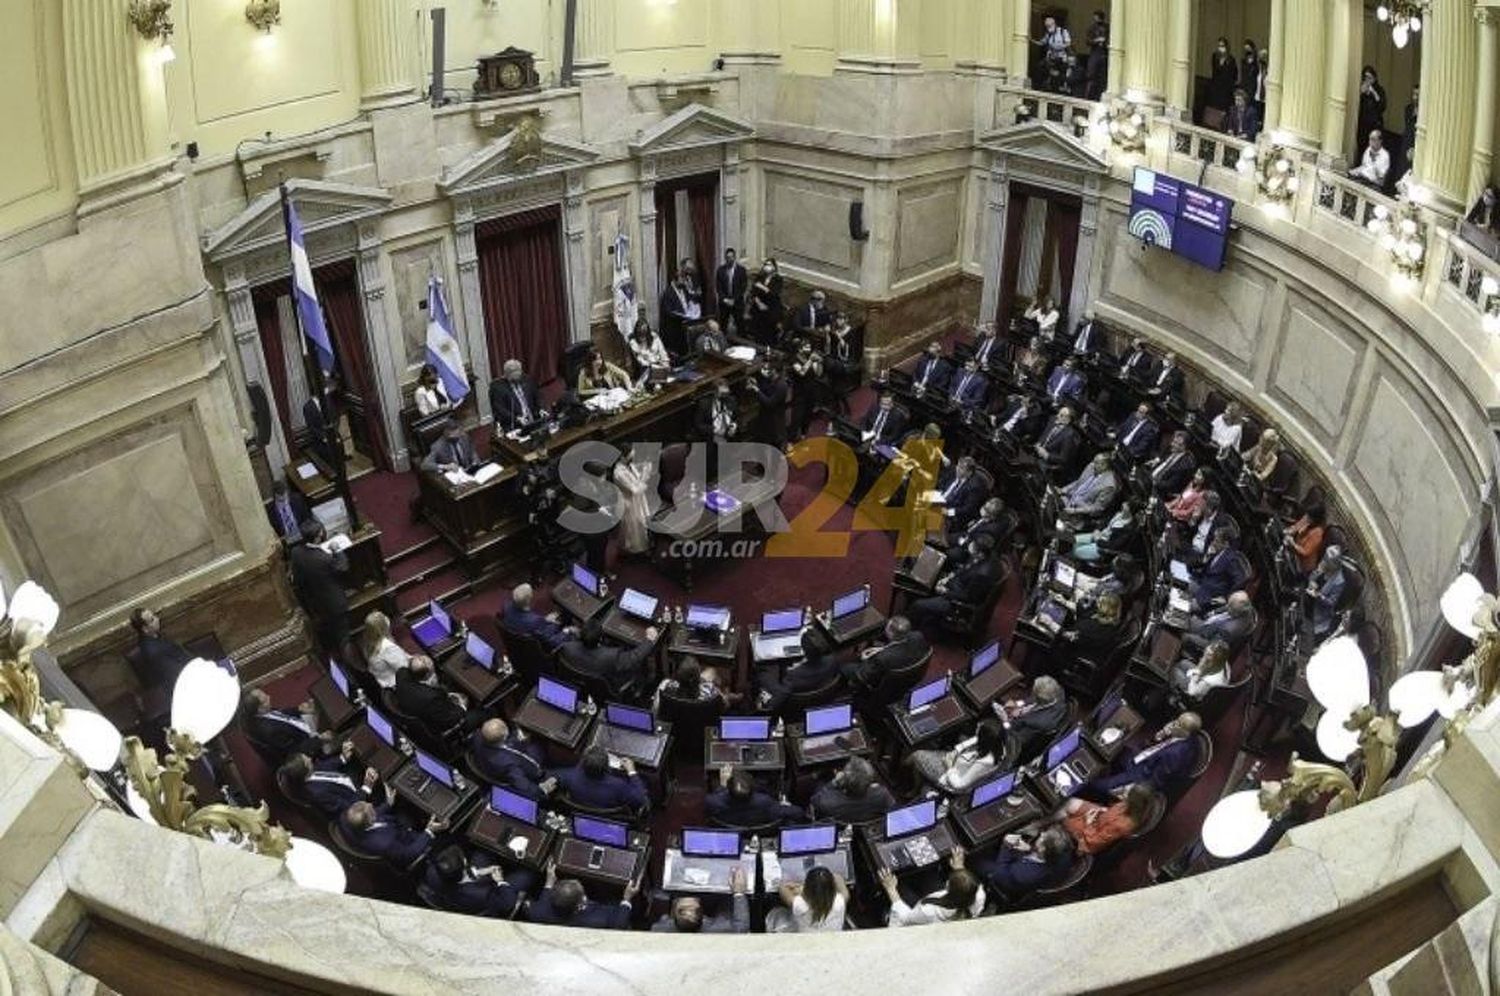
<point>942,810</point>
<point>459,785</point>
<point>779,730</point>
<point>403,744</point>
<point>588,705</point>
<point>677,615</point>
<point>603,586</point>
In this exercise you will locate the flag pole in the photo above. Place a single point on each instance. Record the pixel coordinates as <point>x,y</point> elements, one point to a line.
<point>340,470</point>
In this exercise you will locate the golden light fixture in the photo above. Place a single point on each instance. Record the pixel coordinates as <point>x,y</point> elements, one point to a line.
<point>263,14</point>
<point>151,18</point>
<point>1275,172</point>
<point>1403,235</point>
<point>1404,17</point>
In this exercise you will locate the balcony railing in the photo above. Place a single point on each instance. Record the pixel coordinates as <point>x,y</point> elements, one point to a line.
<point>1205,145</point>
<point>1039,105</point>
<point>1470,272</point>
<point>1349,200</point>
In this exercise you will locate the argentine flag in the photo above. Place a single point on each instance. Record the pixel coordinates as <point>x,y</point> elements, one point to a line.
<point>304,292</point>
<point>626,311</point>
<point>442,345</point>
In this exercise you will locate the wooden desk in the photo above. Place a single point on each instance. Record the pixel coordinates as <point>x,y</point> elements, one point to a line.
<point>334,711</point>
<point>376,753</point>
<point>674,864</point>
<point>1123,718</point>
<point>951,713</point>
<point>906,854</point>
<point>852,629</point>
<point>746,755</point>
<point>552,725</point>
<point>621,866</point>
<point>365,582</point>
<point>653,746</point>
<point>774,870</point>
<point>316,489</point>
<point>494,832</point>
<point>1085,764</point>
<point>628,629</point>
<point>419,789</point>
<point>824,751</point>
<point>481,686</point>
<point>994,820</point>
<point>712,536</point>
<point>570,598</point>
<point>1156,664</point>
<point>685,641</point>
<point>992,683</point>
<point>475,519</point>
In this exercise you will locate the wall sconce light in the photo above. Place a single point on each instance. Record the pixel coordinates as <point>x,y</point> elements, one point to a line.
<point>263,14</point>
<point>1404,236</point>
<point>152,19</point>
<point>1489,287</point>
<point>1275,173</point>
<point>1127,127</point>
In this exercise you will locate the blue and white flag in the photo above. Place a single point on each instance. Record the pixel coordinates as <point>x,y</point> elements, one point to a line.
<point>442,344</point>
<point>626,309</point>
<point>304,292</point>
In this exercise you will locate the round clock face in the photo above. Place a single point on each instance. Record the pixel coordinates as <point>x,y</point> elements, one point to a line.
<point>510,76</point>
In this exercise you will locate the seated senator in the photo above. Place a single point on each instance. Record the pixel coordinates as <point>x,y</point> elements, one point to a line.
<point>818,904</point>
<point>418,695</point>
<point>1164,764</point>
<point>565,904</point>
<point>1033,723</point>
<point>331,784</point>
<point>686,914</point>
<point>1194,680</point>
<point>818,667</point>
<point>967,764</point>
<point>378,830</point>
<point>508,758</point>
<point>276,734</point>
<point>1095,827</point>
<point>383,656</point>
<point>518,619</point>
<point>738,802</point>
<point>622,668</point>
<point>852,796</point>
<point>457,884</point>
<point>598,375</point>
<point>962,898</point>
<point>453,450</point>
<point>1023,866</point>
<point>592,784</point>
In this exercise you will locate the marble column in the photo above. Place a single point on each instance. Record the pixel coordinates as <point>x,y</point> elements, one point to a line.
<point>1303,71</point>
<point>1117,22</point>
<point>471,304</point>
<point>252,358</point>
<point>997,203</point>
<point>575,257</point>
<point>1445,128</point>
<point>385,53</point>
<point>1020,41</point>
<point>1083,260</point>
<point>1146,50</point>
<point>117,108</point>
<point>1273,69</point>
<point>1484,102</point>
<point>378,336</point>
<point>594,37</point>
<point>731,209</point>
<point>647,286</point>
<point>986,48</point>
<point>1342,22</point>
<point>879,36</point>
<point>1180,64</point>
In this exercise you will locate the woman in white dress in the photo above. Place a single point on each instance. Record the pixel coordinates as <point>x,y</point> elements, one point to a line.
<point>430,396</point>
<point>382,654</point>
<point>633,477</point>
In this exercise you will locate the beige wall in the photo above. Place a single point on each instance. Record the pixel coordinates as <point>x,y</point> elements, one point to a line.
<point>37,178</point>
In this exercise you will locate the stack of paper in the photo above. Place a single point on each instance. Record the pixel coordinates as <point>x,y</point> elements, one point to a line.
<point>487,472</point>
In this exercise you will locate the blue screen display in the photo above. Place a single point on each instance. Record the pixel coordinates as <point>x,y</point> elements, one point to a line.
<point>1190,221</point>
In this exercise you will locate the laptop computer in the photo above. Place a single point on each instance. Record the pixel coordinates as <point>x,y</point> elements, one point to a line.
<point>559,696</point>
<point>380,725</point>
<point>437,627</point>
<point>516,806</point>
<point>713,618</point>
<point>340,680</point>
<point>628,730</point>
<point>847,609</point>
<point>748,734</point>
<point>587,580</point>
<point>780,634</point>
<point>1065,574</point>
<point>996,788</point>
<point>1105,709</point>
<point>823,725</point>
<point>639,605</point>
<point>1063,774</point>
<point>700,842</point>
<point>597,831</point>
<point>919,817</point>
<point>436,771</point>
<point>984,658</point>
<point>818,838</point>
<point>479,652</point>
<point>918,705</point>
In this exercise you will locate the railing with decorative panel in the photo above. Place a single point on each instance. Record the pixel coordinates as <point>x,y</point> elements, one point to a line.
<point>1016,105</point>
<point>1472,277</point>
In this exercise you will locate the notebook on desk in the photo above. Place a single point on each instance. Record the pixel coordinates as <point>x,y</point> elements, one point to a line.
<point>847,611</point>
<point>748,736</point>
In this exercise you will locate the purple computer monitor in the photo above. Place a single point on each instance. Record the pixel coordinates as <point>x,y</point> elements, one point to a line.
<point>708,617</point>
<point>381,725</point>
<point>817,839</point>
<point>1063,749</point>
<point>1107,708</point>
<point>915,818</point>
<point>744,728</point>
<point>600,831</point>
<point>829,719</point>
<point>850,603</point>
<point>586,579</point>
<point>513,804</point>
<point>434,769</point>
<point>629,717</point>
<point>479,652</point>
<point>984,658</point>
<point>340,679</point>
<point>996,788</point>
<point>781,620</point>
<point>639,604</point>
<point>700,842</point>
<point>556,694</point>
<point>927,694</point>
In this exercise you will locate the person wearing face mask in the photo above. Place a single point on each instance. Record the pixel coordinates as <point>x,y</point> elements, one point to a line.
<point>731,283</point>
<point>765,303</point>
<point>1224,73</point>
<point>677,307</point>
<point>1371,106</point>
<point>1249,67</point>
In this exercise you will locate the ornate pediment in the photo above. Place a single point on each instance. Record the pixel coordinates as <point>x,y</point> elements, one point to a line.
<point>521,154</point>
<point>320,205</point>
<point>692,127</point>
<point>1045,144</point>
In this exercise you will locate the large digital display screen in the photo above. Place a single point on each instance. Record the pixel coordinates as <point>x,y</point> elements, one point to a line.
<point>1190,221</point>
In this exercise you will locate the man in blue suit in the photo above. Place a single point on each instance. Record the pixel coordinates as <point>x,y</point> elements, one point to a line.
<point>1325,591</point>
<point>932,372</point>
<point>1020,868</point>
<point>454,884</point>
<point>509,759</point>
<point>376,830</point>
<point>969,387</point>
<point>1066,385</point>
<point>1163,764</point>
<point>1088,338</point>
<point>565,904</point>
<point>963,493</point>
<point>987,348</point>
<point>453,450</point>
<point>1224,570</point>
<point>591,783</point>
<point>519,620</point>
<point>332,784</point>
<point>737,802</point>
<point>1138,434</point>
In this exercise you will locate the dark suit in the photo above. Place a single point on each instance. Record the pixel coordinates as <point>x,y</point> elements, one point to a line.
<point>1172,472</point>
<point>1015,874</point>
<point>318,579</point>
<point>1060,443</point>
<point>892,657</point>
<point>932,374</point>
<point>332,788</point>
<point>1139,367</point>
<point>770,420</point>
<point>388,838</point>
<point>295,509</point>
<point>971,584</point>
<point>600,916</point>
<point>1031,731</point>
<point>1088,339</point>
<point>962,497</point>
<point>1164,767</point>
<point>1243,122</point>
<point>1220,625</point>
<point>1138,435</point>
<point>620,667</point>
<point>324,443</point>
<point>428,703</point>
<point>513,764</point>
<point>158,661</point>
<point>832,803</point>
<point>514,404</point>
<point>1220,575</point>
<point>892,427</point>
<point>613,791</point>
<point>447,451</point>
<point>1021,419</point>
<point>968,389</point>
<point>1065,386</point>
<point>810,318</point>
<point>479,895</point>
<point>731,283</point>
<point>279,733</point>
<point>987,350</point>
<point>1167,380</point>
<point>757,811</point>
<point>808,675</point>
<point>524,622</point>
<point>674,303</point>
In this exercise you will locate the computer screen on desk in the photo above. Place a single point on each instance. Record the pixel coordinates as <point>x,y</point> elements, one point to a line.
<point>638,604</point>
<point>556,694</point>
<point>924,695</point>
<point>829,719</point>
<point>700,842</point>
<point>479,652</point>
<point>708,617</point>
<point>441,615</point>
<point>434,769</point>
<point>984,658</point>
<point>817,839</point>
<point>1063,749</point>
<point>382,726</point>
<point>629,717</point>
<point>600,831</point>
<point>744,728</point>
<point>915,818</point>
<point>1107,709</point>
<point>513,804</point>
<point>340,679</point>
<point>781,620</point>
<point>996,788</point>
<point>854,601</point>
<point>586,579</point>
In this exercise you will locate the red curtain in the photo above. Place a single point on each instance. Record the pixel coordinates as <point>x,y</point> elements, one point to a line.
<point>521,287</point>
<point>1062,219</point>
<point>666,232</point>
<point>703,210</point>
<point>268,320</point>
<point>338,290</point>
<point>1010,260</point>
